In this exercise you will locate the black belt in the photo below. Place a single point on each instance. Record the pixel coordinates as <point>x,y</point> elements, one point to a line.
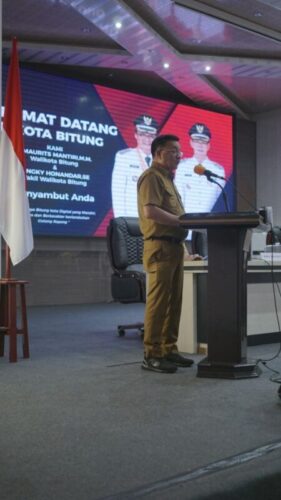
<point>170,239</point>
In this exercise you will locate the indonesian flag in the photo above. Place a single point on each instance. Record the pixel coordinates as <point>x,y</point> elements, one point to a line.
<point>15,222</point>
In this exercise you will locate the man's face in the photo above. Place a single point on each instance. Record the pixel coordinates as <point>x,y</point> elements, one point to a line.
<point>169,155</point>
<point>200,147</point>
<point>144,141</point>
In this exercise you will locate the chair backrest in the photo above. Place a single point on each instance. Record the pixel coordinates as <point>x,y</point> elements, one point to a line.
<point>199,242</point>
<point>276,233</point>
<point>125,249</point>
<point>125,243</point>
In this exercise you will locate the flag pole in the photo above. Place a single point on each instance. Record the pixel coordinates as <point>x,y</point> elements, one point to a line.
<point>15,220</point>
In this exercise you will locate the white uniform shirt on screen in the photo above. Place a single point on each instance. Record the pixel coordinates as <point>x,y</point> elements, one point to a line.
<point>197,193</point>
<point>128,166</point>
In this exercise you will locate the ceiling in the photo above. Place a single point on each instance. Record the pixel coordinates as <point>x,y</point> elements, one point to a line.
<point>222,54</point>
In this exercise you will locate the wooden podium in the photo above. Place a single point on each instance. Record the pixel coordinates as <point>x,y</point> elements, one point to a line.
<point>226,307</point>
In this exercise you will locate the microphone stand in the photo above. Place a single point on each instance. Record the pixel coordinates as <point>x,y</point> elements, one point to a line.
<point>223,193</point>
<point>242,196</point>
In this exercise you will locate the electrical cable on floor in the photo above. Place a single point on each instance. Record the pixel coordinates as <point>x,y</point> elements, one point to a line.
<point>277,377</point>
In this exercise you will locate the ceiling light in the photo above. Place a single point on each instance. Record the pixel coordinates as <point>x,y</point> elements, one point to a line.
<point>166,65</point>
<point>118,25</point>
<point>208,68</point>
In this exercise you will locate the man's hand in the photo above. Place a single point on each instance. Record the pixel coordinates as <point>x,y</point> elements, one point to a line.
<point>194,256</point>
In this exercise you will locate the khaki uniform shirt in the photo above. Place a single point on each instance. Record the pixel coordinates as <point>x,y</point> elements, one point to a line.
<point>155,187</point>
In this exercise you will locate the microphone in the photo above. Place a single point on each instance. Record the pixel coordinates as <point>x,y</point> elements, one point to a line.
<point>200,170</point>
<point>264,213</point>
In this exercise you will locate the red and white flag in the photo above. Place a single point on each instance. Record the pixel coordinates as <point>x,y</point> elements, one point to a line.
<point>15,221</point>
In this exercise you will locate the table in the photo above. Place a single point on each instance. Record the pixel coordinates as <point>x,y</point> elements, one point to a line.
<point>262,324</point>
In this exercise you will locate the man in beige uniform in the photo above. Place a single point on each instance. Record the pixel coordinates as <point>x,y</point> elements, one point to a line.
<point>159,206</point>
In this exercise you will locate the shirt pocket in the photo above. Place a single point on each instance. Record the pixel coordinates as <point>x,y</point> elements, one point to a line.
<point>171,202</point>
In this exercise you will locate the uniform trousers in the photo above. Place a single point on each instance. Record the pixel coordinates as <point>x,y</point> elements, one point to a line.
<point>163,262</point>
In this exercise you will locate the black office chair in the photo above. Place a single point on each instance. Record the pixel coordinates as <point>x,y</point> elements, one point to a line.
<point>199,242</point>
<point>274,235</point>
<point>125,249</point>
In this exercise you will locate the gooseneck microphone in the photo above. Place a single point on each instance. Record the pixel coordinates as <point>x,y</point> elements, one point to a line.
<point>200,170</point>
<point>263,213</point>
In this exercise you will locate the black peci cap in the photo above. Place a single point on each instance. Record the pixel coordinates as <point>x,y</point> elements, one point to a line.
<point>145,123</point>
<point>200,131</point>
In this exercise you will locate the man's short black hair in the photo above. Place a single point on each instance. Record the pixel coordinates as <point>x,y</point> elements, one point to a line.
<point>161,140</point>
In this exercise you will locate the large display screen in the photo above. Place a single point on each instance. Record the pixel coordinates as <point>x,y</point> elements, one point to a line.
<point>86,146</point>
